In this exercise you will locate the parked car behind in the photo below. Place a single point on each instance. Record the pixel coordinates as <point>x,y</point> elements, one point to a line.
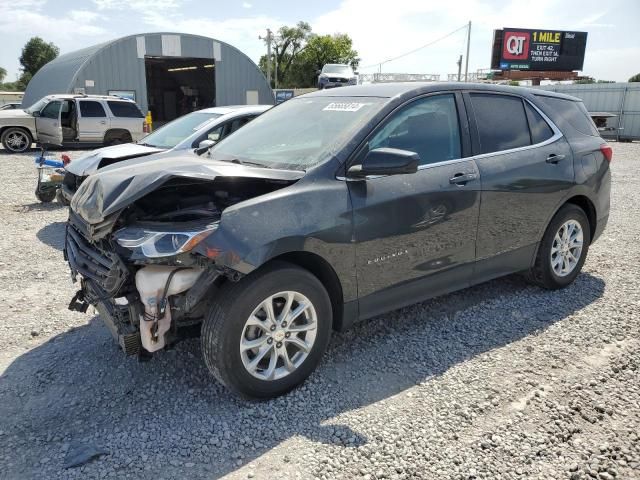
<point>198,129</point>
<point>72,120</point>
<point>11,106</point>
<point>335,207</point>
<point>336,75</point>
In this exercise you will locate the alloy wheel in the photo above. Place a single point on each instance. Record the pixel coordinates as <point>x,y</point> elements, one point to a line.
<point>17,141</point>
<point>278,335</point>
<point>566,248</point>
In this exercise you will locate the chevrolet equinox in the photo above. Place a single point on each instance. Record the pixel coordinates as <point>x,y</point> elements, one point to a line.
<point>332,208</point>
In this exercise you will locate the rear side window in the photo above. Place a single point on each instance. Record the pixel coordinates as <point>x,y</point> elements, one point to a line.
<point>540,129</point>
<point>125,109</point>
<point>91,109</point>
<point>502,122</point>
<point>572,112</point>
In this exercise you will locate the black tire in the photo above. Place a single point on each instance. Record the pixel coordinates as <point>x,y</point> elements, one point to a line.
<point>47,196</point>
<point>10,134</point>
<point>542,273</point>
<point>117,138</point>
<point>224,325</point>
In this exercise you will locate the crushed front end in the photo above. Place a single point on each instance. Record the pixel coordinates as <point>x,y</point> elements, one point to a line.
<point>142,245</point>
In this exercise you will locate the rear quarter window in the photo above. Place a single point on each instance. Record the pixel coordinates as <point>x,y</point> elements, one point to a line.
<point>124,109</point>
<point>571,112</point>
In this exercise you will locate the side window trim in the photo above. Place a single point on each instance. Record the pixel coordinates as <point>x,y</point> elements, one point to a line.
<point>475,140</point>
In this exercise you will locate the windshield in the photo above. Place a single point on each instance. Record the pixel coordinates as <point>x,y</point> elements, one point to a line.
<point>299,133</point>
<point>169,135</point>
<point>36,107</point>
<point>341,69</point>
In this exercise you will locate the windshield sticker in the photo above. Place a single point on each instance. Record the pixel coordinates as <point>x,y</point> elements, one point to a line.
<point>344,107</point>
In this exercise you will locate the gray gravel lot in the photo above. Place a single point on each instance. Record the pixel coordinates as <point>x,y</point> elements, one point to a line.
<point>499,381</point>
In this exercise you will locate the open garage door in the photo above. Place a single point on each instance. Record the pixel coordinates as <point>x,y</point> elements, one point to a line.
<point>179,85</point>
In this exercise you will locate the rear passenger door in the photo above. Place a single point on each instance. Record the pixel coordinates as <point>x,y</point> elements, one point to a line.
<point>526,169</point>
<point>126,116</point>
<point>92,121</point>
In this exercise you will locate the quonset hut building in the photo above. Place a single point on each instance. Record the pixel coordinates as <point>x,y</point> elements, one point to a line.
<point>169,74</point>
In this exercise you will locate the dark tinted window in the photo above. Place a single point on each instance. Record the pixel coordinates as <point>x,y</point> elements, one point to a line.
<point>125,109</point>
<point>91,109</point>
<point>428,126</point>
<point>52,110</point>
<point>540,129</point>
<point>571,112</point>
<point>502,123</point>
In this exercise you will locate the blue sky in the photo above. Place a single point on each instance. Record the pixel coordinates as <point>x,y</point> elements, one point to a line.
<point>380,30</point>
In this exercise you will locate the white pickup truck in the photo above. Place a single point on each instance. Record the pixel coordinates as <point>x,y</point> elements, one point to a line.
<point>72,120</point>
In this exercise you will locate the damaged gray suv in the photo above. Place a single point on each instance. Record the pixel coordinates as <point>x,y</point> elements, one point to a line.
<point>332,208</point>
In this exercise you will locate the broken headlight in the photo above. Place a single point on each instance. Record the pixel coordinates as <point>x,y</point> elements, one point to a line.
<point>153,242</point>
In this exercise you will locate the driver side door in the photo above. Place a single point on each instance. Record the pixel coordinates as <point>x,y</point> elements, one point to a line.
<point>415,234</point>
<point>48,123</point>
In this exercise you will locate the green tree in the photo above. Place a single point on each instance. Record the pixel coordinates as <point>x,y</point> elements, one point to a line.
<point>35,54</point>
<point>3,74</point>
<point>300,53</point>
<point>635,78</point>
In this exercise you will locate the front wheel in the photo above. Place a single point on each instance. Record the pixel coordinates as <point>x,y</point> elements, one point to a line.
<point>16,140</point>
<point>265,334</point>
<point>563,249</point>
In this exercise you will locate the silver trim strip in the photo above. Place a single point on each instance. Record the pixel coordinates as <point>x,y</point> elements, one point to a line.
<point>557,135</point>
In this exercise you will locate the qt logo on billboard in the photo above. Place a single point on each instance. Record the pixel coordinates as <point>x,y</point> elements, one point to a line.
<point>516,45</point>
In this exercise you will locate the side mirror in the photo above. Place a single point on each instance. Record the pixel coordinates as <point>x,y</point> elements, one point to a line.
<point>36,114</point>
<point>318,72</point>
<point>386,161</point>
<point>204,145</point>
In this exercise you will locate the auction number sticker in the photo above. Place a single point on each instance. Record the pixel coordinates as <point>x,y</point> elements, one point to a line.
<point>344,107</point>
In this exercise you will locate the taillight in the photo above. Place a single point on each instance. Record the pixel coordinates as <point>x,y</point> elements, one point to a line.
<point>607,151</point>
<point>66,159</point>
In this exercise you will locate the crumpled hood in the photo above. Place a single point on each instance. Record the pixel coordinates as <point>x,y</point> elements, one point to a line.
<point>89,163</point>
<point>109,191</point>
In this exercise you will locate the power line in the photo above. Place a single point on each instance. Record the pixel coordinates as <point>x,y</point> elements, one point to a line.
<point>416,49</point>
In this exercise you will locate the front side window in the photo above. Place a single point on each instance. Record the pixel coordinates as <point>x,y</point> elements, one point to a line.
<point>124,109</point>
<point>91,109</point>
<point>501,120</point>
<point>299,133</point>
<point>52,110</point>
<point>428,127</point>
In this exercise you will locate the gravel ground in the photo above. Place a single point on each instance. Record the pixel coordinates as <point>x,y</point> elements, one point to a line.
<point>499,381</point>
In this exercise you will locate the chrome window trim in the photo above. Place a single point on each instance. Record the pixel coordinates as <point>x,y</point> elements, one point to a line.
<point>557,135</point>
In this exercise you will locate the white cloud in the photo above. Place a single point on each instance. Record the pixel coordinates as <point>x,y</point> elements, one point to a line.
<point>246,5</point>
<point>379,34</point>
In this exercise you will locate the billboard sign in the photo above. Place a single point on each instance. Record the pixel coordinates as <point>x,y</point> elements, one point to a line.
<point>538,50</point>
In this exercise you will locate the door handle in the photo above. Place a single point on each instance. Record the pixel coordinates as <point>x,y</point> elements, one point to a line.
<point>553,158</point>
<point>103,122</point>
<point>462,178</point>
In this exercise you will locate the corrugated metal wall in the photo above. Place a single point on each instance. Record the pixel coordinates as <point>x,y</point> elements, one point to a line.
<point>622,99</point>
<point>119,65</point>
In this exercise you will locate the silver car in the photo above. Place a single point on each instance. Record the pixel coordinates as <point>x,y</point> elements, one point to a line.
<point>196,130</point>
<point>72,120</point>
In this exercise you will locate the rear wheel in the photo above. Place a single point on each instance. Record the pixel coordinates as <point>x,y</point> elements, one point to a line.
<point>117,138</point>
<point>16,140</point>
<point>267,333</point>
<point>563,249</point>
<point>46,196</point>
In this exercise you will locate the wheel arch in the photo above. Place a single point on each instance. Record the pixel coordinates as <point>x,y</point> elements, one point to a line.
<point>324,272</point>
<point>589,209</point>
<point>115,132</point>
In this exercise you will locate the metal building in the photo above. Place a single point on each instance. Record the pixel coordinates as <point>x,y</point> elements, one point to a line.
<point>620,99</point>
<point>169,74</point>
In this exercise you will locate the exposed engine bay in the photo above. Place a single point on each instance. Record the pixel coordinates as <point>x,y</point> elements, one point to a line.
<point>136,265</point>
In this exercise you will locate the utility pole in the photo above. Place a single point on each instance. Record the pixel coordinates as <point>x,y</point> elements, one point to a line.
<point>268,39</point>
<point>459,63</point>
<point>466,60</point>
